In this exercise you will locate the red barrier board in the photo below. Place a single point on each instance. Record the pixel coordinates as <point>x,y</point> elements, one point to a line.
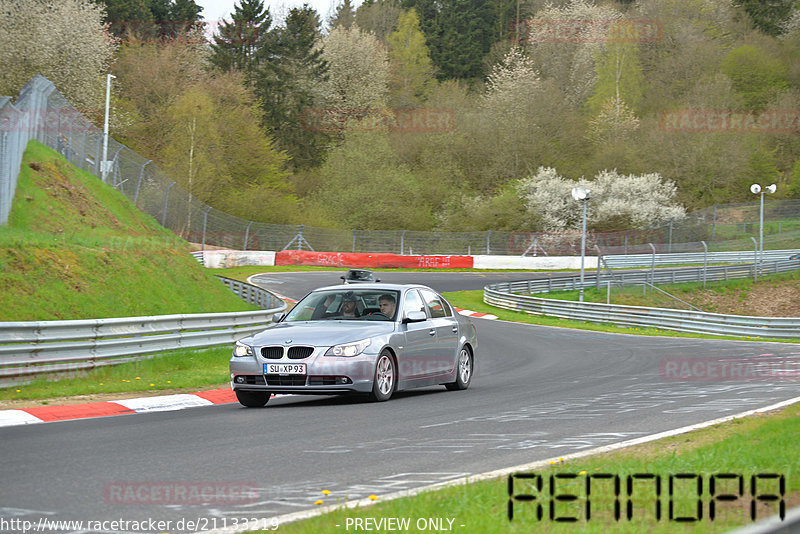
<point>365,260</point>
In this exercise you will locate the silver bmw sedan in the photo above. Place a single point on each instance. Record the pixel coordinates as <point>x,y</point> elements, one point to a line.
<point>375,340</point>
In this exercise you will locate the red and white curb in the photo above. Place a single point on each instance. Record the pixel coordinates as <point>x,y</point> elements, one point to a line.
<point>479,315</point>
<point>69,412</point>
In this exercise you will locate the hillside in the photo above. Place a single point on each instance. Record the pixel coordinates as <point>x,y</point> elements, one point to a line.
<point>75,248</point>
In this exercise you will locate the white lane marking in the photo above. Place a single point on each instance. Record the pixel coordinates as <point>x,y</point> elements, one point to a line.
<point>164,403</point>
<point>468,479</point>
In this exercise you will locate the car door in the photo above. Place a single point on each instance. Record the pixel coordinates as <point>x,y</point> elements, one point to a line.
<point>446,327</point>
<point>420,339</point>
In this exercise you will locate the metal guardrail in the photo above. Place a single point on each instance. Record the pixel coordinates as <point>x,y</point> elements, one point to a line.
<point>739,256</point>
<point>37,347</point>
<point>506,295</point>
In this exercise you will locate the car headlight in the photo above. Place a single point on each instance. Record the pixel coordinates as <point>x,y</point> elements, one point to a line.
<point>242,350</point>
<point>348,349</point>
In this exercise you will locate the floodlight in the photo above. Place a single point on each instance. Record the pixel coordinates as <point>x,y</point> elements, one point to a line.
<point>580,193</point>
<point>771,189</point>
<point>755,189</point>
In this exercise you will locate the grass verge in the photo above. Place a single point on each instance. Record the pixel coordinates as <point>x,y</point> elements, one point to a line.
<point>473,300</point>
<point>176,370</point>
<point>742,447</point>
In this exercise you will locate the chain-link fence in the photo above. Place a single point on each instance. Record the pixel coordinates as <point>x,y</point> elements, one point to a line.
<point>42,113</point>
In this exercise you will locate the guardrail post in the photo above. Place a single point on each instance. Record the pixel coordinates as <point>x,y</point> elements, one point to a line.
<point>755,260</point>
<point>402,242</point>
<point>354,240</point>
<point>488,239</point>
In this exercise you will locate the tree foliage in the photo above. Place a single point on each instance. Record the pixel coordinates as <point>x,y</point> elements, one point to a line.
<point>63,41</point>
<point>633,200</point>
<point>238,44</point>
<point>412,69</point>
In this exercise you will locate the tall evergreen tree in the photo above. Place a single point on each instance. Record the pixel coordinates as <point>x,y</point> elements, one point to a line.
<point>459,34</point>
<point>237,43</point>
<point>345,15</point>
<point>286,79</point>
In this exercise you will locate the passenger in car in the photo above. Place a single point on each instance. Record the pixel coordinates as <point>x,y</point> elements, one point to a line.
<point>387,304</point>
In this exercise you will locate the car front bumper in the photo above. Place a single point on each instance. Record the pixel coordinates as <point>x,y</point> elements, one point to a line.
<point>325,375</point>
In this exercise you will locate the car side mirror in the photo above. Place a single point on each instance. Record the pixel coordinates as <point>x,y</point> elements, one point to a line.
<point>278,317</point>
<point>414,317</point>
<point>377,279</point>
<point>342,277</point>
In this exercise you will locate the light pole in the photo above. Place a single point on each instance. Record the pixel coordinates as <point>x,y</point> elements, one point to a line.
<point>756,189</point>
<point>582,194</point>
<point>103,162</point>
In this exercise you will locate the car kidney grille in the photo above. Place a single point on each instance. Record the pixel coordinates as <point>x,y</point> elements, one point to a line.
<point>272,353</point>
<point>298,353</point>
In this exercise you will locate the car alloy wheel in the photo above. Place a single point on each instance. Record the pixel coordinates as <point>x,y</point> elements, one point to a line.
<point>385,374</point>
<point>463,371</point>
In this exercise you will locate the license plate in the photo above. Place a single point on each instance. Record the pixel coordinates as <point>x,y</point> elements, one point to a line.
<point>284,368</point>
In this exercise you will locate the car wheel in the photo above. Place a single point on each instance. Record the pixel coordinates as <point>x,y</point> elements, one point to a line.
<point>252,399</point>
<point>385,378</point>
<point>463,371</point>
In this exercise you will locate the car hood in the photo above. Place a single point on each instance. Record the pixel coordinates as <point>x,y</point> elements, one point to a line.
<point>321,333</point>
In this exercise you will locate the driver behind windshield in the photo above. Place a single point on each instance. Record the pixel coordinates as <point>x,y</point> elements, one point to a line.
<point>349,306</point>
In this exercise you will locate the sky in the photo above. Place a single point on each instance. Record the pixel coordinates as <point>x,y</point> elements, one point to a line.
<point>215,10</point>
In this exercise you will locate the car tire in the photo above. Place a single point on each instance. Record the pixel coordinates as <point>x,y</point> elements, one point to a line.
<point>252,399</point>
<point>464,368</point>
<point>385,379</point>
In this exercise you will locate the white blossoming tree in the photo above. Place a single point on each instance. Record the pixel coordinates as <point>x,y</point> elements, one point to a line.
<point>63,41</point>
<point>632,200</point>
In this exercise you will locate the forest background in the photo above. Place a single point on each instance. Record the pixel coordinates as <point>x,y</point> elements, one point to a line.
<point>436,114</point>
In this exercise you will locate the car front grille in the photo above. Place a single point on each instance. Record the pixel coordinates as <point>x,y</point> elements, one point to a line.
<point>290,380</point>
<point>298,353</point>
<point>272,353</point>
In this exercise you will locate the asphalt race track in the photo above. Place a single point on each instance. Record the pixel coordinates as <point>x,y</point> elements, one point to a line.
<point>538,392</point>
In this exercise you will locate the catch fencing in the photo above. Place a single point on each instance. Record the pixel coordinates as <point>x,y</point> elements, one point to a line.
<point>510,295</point>
<point>39,347</point>
<point>42,113</point>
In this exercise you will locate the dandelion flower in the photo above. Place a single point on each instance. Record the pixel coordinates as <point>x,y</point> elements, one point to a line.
<point>138,378</point>
<point>326,492</point>
<point>152,384</point>
<point>319,502</point>
<point>373,497</point>
<point>582,473</point>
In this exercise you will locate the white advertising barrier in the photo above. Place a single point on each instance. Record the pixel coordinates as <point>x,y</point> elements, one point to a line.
<point>537,262</point>
<point>224,259</point>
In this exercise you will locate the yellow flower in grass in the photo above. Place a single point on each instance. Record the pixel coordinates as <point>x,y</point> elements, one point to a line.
<point>326,492</point>
<point>582,473</point>
<point>138,378</point>
<point>152,384</point>
<point>373,497</point>
<point>319,502</point>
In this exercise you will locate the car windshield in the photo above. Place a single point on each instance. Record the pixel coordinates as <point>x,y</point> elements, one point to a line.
<point>359,275</point>
<point>350,304</point>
